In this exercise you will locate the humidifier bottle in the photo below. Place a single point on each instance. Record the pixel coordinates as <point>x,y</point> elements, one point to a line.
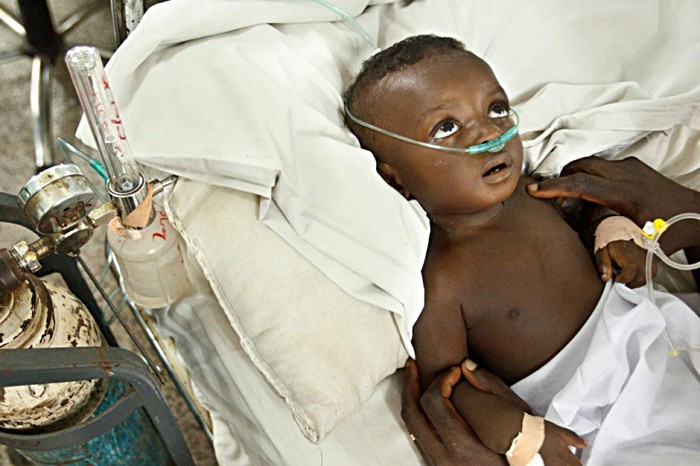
<point>150,262</point>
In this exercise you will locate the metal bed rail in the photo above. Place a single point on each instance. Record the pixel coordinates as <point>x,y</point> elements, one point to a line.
<point>51,365</point>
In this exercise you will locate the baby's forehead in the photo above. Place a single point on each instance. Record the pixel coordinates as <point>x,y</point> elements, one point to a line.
<point>433,73</point>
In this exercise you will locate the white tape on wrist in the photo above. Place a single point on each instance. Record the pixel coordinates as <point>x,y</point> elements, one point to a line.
<point>526,445</point>
<point>617,228</point>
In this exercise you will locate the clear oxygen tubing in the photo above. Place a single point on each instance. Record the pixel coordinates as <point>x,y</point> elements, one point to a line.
<point>350,19</point>
<point>66,149</point>
<point>494,145</point>
<point>95,164</point>
<point>91,85</point>
<point>653,231</point>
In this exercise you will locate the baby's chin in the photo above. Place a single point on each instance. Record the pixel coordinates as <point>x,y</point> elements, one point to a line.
<point>497,197</point>
<point>508,187</point>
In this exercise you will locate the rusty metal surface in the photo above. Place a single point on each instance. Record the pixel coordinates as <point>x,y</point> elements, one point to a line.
<point>45,315</point>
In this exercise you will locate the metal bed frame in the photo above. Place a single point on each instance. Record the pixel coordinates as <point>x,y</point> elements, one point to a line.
<point>51,365</point>
<point>44,43</point>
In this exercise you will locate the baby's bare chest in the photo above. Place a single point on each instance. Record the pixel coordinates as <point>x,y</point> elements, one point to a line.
<point>521,275</point>
<point>524,291</point>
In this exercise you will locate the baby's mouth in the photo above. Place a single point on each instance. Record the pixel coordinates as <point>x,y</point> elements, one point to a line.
<point>494,167</point>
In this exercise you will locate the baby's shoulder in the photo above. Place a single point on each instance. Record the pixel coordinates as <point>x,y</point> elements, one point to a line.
<point>447,278</point>
<point>438,271</point>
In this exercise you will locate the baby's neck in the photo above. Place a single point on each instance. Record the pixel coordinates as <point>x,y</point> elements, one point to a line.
<point>459,224</point>
<point>454,225</point>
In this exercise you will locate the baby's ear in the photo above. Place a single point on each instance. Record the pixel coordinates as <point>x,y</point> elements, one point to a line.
<point>390,175</point>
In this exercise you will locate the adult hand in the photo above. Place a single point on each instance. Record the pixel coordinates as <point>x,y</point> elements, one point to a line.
<point>627,186</point>
<point>632,189</point>
<point>441,434</point>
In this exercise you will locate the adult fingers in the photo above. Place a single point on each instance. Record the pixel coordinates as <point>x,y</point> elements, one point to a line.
<point>604,263</point>
<point>581,186</point>
<point>411,384</point>
<point>439,409</point>
<point>413,416</point>
<point>458,438</point>
<point>441,435</point>
<point>485,381</point>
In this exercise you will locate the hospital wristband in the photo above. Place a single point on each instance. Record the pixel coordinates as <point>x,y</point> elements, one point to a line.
<point>526,445</point>
<point>617,228</point>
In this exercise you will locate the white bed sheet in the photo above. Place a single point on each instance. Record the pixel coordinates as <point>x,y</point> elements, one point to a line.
<point>615,385</point>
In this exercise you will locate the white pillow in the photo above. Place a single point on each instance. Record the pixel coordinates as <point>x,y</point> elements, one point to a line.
<point>323,351</point>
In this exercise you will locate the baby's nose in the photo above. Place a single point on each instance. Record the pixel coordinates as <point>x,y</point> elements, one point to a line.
<point>489,132</point>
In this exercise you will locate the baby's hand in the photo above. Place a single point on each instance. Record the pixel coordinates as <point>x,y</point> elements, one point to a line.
<point>626,256</point>
<point>555,449</point>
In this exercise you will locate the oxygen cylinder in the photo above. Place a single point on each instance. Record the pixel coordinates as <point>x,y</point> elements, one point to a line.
<point>38,314</point>
<point>41,314</point>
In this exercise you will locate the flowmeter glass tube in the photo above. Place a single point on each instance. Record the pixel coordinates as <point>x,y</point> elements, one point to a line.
<point>91,85</point>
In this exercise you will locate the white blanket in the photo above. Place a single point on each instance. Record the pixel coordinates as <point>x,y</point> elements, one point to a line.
<point>615,384</point>
<point>246,94</point>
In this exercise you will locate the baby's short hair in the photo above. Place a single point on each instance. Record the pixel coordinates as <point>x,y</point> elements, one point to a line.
<point>400,55</point>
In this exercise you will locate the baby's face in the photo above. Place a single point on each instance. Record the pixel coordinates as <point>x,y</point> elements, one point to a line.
<point>455,101</point>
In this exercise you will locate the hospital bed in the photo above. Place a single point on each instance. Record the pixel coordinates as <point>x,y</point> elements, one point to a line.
<point>304,265</point>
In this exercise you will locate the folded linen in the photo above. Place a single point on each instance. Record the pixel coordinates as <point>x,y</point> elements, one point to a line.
<point>616,385</point>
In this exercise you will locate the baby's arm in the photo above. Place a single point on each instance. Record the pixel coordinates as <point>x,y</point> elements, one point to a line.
<point>440,340</point>
<point>610,237</point>
<point>494,421</point>
<point>618,245</point>
<point>497,423</point>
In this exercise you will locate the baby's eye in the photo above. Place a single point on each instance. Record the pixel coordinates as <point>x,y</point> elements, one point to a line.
<point>445,129</point>
<point>498,111</point>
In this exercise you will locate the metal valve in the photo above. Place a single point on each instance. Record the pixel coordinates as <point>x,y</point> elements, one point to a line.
<point>61,204</point>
